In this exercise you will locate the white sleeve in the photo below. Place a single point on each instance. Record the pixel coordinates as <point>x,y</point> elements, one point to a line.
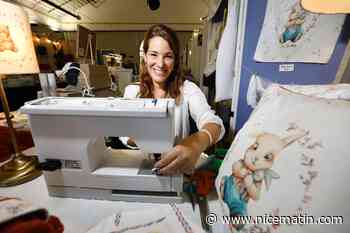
<point>200,110</point>
<point>131,91</point>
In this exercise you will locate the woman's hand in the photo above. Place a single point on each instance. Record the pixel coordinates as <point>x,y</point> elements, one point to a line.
<point>181,159</point>
<point>184,156</point>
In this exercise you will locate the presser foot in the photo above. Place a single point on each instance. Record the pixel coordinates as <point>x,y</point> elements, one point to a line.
<point>20,169</point>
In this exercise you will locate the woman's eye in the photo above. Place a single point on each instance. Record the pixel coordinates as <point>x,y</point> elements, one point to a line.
<point>255,146</point>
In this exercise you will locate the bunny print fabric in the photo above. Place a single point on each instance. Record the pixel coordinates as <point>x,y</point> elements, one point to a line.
<point>289,159</point>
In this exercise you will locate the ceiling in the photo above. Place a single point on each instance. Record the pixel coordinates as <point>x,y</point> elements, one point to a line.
<point>115,15</point>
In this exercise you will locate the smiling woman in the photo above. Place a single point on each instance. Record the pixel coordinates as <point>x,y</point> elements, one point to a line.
<point>161,78</point>
<point>159,63</point>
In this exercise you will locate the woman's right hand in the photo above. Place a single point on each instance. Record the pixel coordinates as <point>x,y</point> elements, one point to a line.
<point>181,159</point>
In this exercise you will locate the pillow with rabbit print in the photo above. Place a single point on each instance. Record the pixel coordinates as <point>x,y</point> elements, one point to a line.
<point>330,91</point>
<point>288,167</point>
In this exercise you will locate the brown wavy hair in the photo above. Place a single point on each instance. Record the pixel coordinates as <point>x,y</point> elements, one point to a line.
<point>175,80</point>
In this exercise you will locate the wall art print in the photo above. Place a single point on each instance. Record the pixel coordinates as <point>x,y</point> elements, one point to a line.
<point>292,34</point>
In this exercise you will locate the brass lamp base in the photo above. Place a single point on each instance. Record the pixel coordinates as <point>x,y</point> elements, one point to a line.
<point>19,170</point>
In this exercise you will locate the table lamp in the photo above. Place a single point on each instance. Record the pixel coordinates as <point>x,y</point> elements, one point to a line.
<point>327,6</point>
<point>17,56</point>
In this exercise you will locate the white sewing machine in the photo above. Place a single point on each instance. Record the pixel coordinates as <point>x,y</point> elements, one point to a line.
<point>69,133</point>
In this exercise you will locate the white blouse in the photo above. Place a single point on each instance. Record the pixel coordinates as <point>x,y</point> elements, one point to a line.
<point>192,101</point>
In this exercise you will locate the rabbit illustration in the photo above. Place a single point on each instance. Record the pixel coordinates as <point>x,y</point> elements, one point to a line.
<point>249,173</point>
<point>293,30</point>
<point>6,42</point>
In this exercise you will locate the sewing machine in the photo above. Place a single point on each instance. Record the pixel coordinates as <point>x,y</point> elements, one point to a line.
<point>69,133</point>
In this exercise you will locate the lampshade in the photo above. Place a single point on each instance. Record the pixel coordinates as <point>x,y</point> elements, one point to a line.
<point>327,6</point>
<point>17,55</point>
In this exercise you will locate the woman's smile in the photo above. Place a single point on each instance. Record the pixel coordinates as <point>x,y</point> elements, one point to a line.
<point>159,60</point>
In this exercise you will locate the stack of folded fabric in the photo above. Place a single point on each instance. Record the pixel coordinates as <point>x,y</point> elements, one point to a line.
<point>18,216</point>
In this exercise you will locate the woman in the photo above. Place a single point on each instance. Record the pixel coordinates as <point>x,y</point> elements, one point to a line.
<point>160,78</point>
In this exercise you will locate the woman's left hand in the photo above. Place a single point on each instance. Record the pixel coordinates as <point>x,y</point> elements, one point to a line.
<point>181,159</point>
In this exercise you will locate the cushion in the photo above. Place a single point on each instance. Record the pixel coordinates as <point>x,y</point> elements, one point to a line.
<point>257,87</point>
<point>289,159</point>
<point>330,91</point>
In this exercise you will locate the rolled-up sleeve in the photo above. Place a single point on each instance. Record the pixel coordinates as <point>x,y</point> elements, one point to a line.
<point>199,108</point>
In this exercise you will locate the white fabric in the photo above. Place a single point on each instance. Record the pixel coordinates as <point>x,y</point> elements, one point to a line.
<point>257,87</point>
<point>81,215</point>
<point>193,101</point>
<point>312,36</point>
<point>331,91</point>
<point>225,62</point>
<point>167,218</point>
<point>308,141</point>
<point>213,35</point>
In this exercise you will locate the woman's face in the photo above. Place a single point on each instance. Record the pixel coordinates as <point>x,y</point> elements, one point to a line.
<point>159,60</point>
